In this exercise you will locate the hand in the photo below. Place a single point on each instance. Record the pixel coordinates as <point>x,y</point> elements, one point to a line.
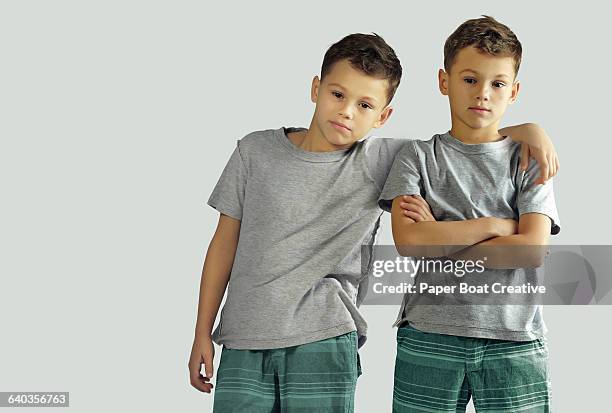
<point>416,208</point>
<point>537,145</point>
<point>202,352</point>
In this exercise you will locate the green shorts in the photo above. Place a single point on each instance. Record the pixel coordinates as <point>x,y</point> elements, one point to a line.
<point>439,373</point>
<point>312,377</point>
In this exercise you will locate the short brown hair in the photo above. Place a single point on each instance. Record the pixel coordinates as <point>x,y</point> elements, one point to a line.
<point>368,53</point>
<point>488,36</point>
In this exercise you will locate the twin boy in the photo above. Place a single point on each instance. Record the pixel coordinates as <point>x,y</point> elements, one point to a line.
<point>296,206</point>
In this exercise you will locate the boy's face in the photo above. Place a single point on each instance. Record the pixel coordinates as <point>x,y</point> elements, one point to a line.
<point>348,104</point>
<point>479,88</point>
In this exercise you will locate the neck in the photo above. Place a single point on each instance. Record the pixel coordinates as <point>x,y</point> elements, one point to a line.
<point>466,134</point>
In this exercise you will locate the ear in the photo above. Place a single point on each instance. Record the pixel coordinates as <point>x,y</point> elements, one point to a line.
<point>383,117</point>
<point>443,82</point>
<point>515,90</point>
<point>314,89</point>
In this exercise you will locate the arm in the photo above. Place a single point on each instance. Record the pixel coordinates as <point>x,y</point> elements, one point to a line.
<point>537,144</point>
<point>526,249</point>
<point>215,276</point>
<point>414,238</point>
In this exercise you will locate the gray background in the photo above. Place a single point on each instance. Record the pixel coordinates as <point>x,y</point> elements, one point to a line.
<point>117,117</point>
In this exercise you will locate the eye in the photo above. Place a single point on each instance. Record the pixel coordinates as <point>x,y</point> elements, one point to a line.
<point>469,80</point>
<point>498,84</point>
<point>365,105</point>
<point>337,94</point>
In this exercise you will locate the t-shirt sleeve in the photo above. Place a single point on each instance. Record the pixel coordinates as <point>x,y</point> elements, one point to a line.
<point>538,198</point>
<point>404,177</point>
<point>228,195</point>
<point>379,156</point>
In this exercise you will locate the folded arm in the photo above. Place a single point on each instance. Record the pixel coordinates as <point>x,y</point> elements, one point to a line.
<point>526,249</point>
<point>439,238</point>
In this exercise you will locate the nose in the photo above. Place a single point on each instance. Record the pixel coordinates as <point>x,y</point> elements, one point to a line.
<point>483,92</point>
<point>346,111</point>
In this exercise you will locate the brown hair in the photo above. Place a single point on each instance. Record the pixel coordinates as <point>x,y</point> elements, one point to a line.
<point>488,36</point>
<point>368,53</point>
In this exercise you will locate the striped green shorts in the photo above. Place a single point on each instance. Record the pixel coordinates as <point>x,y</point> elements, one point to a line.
<point>439,373</point>
<point>312,377</point>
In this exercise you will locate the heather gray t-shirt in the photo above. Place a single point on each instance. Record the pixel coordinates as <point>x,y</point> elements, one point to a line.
<point>464,181</point>
<point>304,215</point>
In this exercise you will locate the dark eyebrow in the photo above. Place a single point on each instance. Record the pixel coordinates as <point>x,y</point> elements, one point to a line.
<point>475,72</point>
<point>363,97</point>
<point>337,85</point>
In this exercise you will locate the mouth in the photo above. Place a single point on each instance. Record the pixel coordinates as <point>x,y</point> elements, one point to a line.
<point>479,110</point>
<point>340,126</point>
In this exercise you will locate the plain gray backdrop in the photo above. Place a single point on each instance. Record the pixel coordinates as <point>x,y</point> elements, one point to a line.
<point>117,117</point>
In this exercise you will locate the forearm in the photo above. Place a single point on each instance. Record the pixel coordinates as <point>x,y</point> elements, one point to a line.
<point>215,277</point>
<point>521,133</point>
<point>467,232</point>
<point>438,238</point>
<point>507,252</point>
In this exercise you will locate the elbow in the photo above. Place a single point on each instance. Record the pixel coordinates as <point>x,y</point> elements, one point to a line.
<point>531,262</point>
<point>408,243</point>
<point>536,259</point>
<point>402,242</point>
<point>533,256</point>
<point>402,246</point>
<point>402,238</point>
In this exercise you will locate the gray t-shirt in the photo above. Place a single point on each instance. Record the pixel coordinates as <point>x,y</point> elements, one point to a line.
<point>465,181</point>
<point>297,274</point>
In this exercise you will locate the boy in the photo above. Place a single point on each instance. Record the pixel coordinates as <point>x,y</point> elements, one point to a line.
<point>471,179</point>
<point>295,207</point>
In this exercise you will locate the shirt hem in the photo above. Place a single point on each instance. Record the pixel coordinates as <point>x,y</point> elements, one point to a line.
<point>476,332</point>
<point>267,344</point>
